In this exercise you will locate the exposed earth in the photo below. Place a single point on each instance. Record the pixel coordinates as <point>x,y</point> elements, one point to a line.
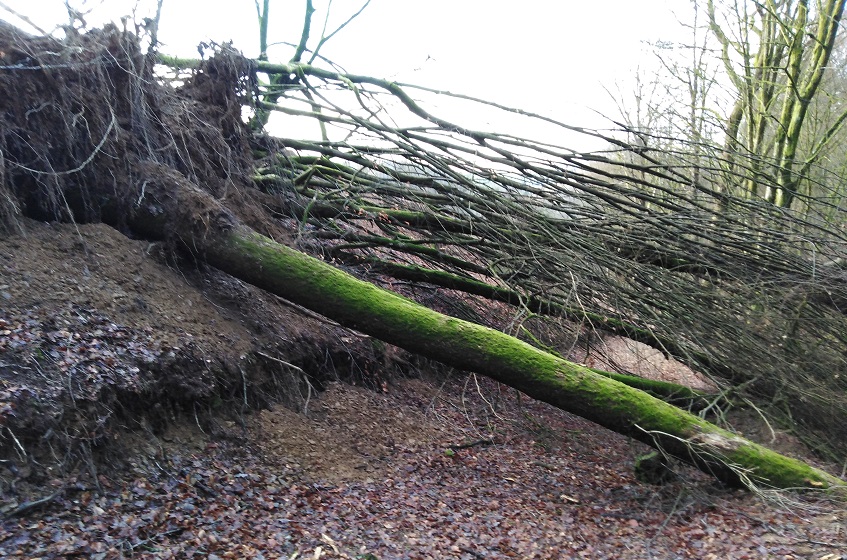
<point>156,408</point>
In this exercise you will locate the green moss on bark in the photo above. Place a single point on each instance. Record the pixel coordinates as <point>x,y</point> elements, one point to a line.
<point>397,320</point>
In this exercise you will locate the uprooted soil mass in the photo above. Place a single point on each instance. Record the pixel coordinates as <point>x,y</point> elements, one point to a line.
<point>154,407</point>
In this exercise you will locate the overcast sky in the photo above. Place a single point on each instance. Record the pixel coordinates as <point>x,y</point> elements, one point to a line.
<point>549,56</point>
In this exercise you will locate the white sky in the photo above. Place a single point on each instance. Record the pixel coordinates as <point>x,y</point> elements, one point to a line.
<point>547,56</point>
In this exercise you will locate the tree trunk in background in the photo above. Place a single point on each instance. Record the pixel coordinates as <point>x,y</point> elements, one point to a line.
<point>775,56</point>
<point>210,232</point>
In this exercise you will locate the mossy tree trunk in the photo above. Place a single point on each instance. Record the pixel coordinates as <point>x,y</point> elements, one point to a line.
<point>212,233</point>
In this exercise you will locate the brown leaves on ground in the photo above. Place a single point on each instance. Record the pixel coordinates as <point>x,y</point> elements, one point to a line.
<point>386,474</point>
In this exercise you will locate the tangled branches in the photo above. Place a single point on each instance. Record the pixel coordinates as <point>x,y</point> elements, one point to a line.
<point>642,243</point>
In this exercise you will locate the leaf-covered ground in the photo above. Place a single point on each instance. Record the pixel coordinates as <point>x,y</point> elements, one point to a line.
<point>369,473</point>
<point>434,466</point>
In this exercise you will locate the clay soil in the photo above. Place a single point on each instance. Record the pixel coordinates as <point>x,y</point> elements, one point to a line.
<point>154,408</point>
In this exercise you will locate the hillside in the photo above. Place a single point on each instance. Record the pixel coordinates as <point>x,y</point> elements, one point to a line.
<point>128,433</point>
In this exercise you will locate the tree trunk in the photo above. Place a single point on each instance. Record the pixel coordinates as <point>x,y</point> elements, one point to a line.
<point>210,232</point>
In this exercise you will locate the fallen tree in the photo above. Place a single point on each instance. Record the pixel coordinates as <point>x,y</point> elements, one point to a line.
<point>179,166</point>
<point>211,232</point>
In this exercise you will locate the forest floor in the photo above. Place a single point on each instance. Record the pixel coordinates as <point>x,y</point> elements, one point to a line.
<point>104,346</point>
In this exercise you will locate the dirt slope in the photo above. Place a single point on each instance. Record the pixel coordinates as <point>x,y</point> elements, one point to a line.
<point>135,404</point>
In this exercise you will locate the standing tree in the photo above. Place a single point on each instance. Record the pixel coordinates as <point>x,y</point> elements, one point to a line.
<point>672,113</point>
<point>775,54</point>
